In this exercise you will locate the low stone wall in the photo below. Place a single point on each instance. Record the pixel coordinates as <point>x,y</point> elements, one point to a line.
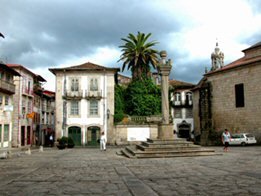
<point>121,133</point>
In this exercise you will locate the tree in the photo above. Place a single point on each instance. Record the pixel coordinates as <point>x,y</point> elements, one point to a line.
<point>138,55</point>
<point>142,98</point>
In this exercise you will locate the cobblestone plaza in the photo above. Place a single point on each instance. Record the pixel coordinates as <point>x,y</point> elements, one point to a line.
<point>89,171</point>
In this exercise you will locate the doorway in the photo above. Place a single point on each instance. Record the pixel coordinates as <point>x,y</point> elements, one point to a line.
<point>75,133</point>
<point>93,135</point>
<point>184,130</point>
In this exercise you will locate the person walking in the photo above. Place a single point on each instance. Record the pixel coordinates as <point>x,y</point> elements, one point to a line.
<point>103,141</point>
<point>51,140</point>
<point>226,137</point>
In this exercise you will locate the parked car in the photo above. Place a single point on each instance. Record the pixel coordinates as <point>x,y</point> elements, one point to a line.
<point>242,139</point>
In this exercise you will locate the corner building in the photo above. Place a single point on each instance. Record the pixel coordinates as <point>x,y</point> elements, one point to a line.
<point>230,96</point>
<point>84,102</point>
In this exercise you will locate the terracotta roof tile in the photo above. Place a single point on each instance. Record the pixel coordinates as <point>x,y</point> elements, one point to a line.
<point>178,83</point>
<point>237,63</point>
<point>86,66</point>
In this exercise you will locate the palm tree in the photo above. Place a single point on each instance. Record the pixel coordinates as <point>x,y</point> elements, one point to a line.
<point>138,55</point>
<point>1,35</point>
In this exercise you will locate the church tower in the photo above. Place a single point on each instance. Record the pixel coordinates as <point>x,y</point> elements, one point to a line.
<point>217,58</point>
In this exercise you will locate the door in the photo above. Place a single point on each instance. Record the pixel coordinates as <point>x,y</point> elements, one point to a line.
<point>75,134</point>
<point>93,134</point>
<point>22,135</point>
<point>28,135</point>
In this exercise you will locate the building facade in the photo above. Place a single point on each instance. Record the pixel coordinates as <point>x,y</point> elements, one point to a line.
<point>181,108</point>
<point>44,115</point>
<point>7,91</point>
<point>23,115</point>
<point>230,96</point>
<point>84,102</point>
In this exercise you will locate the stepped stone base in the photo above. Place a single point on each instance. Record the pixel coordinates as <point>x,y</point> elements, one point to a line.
<point>164,148</point>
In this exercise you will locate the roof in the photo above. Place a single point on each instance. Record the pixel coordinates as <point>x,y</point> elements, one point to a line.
<point>246,60</point>
<point>253,46</point>
<point>181,84</point>
<point>18,66</point>
<point>7,68</point>
<point>86,66</point>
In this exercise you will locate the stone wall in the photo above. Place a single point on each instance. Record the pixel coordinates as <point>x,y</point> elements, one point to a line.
<point>225,113</point>
<point>121,132</point>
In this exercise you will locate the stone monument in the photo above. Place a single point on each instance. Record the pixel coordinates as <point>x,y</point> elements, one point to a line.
<point>165,128</point>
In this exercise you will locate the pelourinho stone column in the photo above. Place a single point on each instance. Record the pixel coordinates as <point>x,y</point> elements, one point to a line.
<point>165,128</point>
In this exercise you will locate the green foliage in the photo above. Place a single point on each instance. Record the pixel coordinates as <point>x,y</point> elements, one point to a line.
<point>118,117</point>
<point>119,103</point>
<point>142,98</point>
<point>63,140</point>
<point>66,142</point>
<point>70,142</point>
<point>119,99</point>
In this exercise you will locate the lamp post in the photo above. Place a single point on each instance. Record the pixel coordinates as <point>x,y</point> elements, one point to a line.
<point>164,68</point>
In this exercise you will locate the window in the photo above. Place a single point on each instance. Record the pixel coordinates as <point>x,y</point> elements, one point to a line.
<point>94,84</point>
<point>6,100</point>
<point>177,113</point>
<point>28,90</point>
<point>8,77</point>
<point>239,95</point>
<point>23,108</point>
<point>74,84</point>
<point>1,100</point>
<point>6,132</point>
<point>189,113</point>
<point>74,108</point>
<point>29,106</point>
<point>189,98</point>
<point>177,97</point>
<point>93,107</point>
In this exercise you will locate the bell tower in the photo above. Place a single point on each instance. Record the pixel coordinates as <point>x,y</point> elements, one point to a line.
<point>217,58</point>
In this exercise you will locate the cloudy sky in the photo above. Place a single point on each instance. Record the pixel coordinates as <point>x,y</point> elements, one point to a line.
<point>42,34</point>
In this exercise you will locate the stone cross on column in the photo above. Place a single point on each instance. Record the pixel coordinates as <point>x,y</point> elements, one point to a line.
<point>164,68</point>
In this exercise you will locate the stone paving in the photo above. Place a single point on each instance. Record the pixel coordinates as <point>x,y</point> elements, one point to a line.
<point>89,171</point>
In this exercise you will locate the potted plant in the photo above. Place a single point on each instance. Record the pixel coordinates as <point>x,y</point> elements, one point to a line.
<point>70,143</point>
<point>62,142</point>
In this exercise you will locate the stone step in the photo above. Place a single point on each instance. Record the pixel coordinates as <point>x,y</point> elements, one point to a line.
<point>166,147</point>
<point>166,144</point>
<point>168,141</point>
<point>134,155</point>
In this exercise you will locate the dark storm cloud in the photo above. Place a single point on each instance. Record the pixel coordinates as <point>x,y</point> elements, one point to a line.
<point>45,33</point>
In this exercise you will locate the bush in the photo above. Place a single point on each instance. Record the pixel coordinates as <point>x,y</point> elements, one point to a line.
<point>118,117</point>
<point>70,143</point>
<point>64,142</point>
<point>142,98</point>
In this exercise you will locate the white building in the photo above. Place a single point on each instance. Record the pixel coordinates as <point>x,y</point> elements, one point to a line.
<point>84,102</point>
<point>181,108</point>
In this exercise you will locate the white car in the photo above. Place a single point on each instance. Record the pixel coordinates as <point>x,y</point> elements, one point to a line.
<point>242,139</point>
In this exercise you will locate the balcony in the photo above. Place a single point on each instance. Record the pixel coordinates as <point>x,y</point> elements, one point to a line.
<point>7,87</point>
<point>183,103</point>
<point>73,94</point>
<point>28,92</point>
<point>93,94</point>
